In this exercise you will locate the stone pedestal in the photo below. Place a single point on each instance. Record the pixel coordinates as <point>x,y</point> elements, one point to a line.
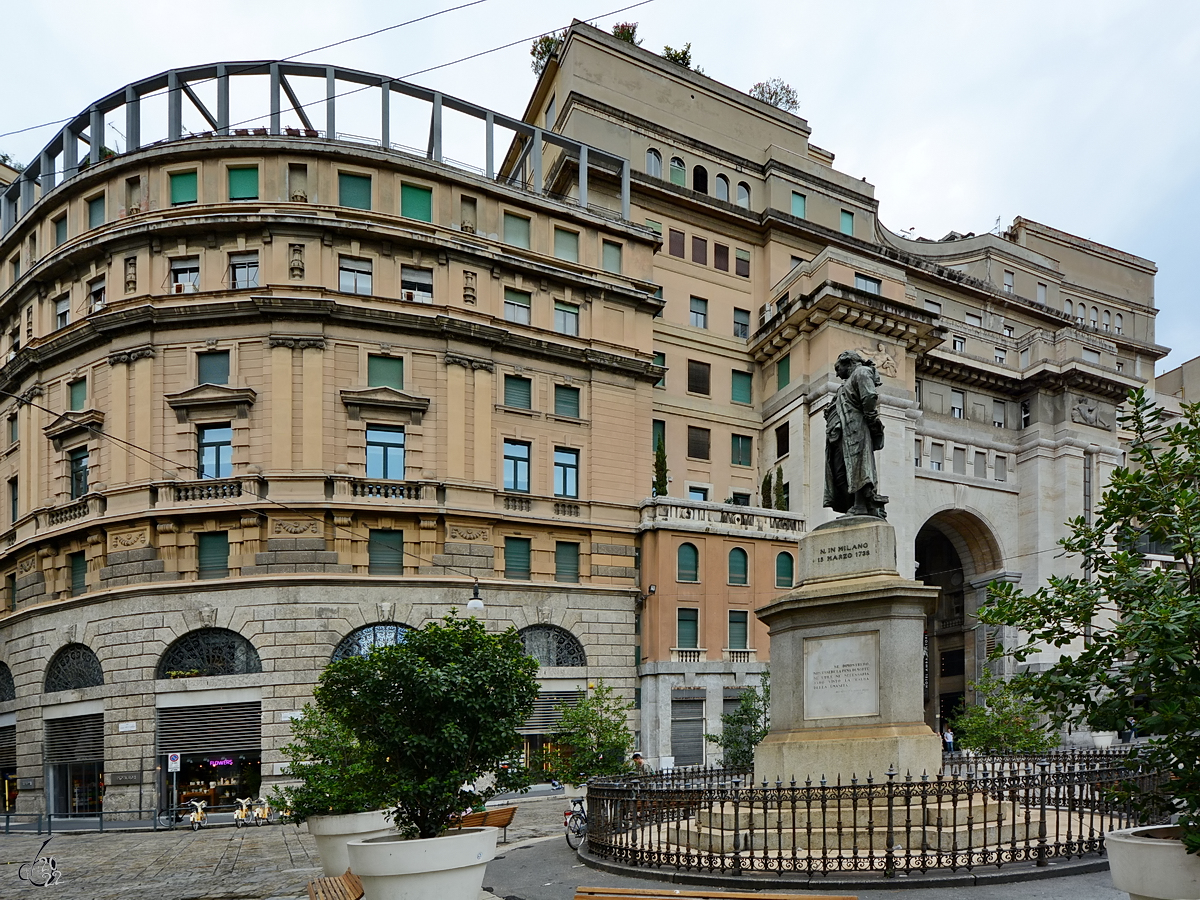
<point>847,662</point>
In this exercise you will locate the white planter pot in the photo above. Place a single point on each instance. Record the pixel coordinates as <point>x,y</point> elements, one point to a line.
<point>332,832</point>
<point>1102,740</point>
<point>1150,863</point>
<point>449,867</point>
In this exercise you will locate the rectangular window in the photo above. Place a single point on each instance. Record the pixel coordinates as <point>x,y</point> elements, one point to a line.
<point>516,558</point>
<point>1008,282</point>
<point>516,230</point>
<point>675,242</point>
<point>687,633</point>
<point>96,212</point>
<point>77,394</point>
<point>973,319</point>
<point>1001,468</point>
<point>243,270</point>
<point>566,472</point>
<point>720,257</point>
<point>243,183</point>
<point>742,388</point>
<point>917,453</point>
<point>1091,356</point>
<point>212,368</point>
<point>932,306</point>
<point>1026,415</point>
<point>416,285</point>
<point>699,312</point>
<point>660,359</point>
<point>566,318</point>
<point>14,432</point>
<point>699,250</point>
<point>783,440</point>
<point>1024,358</point>
<point>385,452</point>
<point>77,461</point>
<point>960,461</point>
<point>566,562</point>
<point>416,202</point>
<point>78,563</point>
<point>980,465</point>
<point>385,371</point>
<point>739,621</point>
<point>739,498</point>
<point>699,440</point>
<point>847,222</point>
<point>60,231</point>
<point>656,227</point>
<point>518,392</point>
<point>1001,355</point>
<point>212,554</point>
<point>958,402</point>
<point>97,294</point>
<point>1041,293</point>
<point>799,205</point>
<point>385,552</point>
<point>610,257</point>
<point>185,275</point>
<point>741,323</point>
<point>215,450</point>
<point>742,450</point>
<point>184,188</point>
<point>566,401</point>
<point>998,417</point>
<point>699,494</point>
<point>516,466</point>
<point>550,115</point>
<point>62,312</point>
<point>354,191</point>
<point>867,284</point>
<point>1010,331</point>
<point>959,343</point>
<point>14,501</point>
<point>354,275</point>
<point>699,377</point>
<point>742,263</point>
<point>516,306</point>
<point>783,372</point>
<point>566,245</point>
<point>937,454</point>
<point>659,433</point>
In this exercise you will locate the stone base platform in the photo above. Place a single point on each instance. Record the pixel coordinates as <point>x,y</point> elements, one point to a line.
<point>851,751</point>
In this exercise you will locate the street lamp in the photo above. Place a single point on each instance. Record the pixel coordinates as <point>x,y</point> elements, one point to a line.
<point>475,605</point>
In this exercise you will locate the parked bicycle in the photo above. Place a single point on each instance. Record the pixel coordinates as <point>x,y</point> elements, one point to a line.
<point>262,811</point>
<point>575,821</point>
<point>198,817</point>
<point>243,813</point>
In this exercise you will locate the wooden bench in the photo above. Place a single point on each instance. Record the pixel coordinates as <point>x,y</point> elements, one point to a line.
<point>499,817</point>
<point>340,887</point>
<point>613,893</point>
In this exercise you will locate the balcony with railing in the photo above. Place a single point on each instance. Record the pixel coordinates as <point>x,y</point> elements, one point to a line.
<point>688,655</point>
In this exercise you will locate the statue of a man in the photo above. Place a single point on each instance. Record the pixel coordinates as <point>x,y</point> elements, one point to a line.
<point>853,432</point>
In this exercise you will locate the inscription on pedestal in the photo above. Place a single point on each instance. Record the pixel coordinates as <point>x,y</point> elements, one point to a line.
<point>841,676</point>
<point>835,552</point>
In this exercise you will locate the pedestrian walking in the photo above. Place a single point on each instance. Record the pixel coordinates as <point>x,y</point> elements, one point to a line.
<point>948,739</point>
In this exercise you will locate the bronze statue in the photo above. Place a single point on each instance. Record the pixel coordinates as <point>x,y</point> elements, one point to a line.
<point>853,432</point>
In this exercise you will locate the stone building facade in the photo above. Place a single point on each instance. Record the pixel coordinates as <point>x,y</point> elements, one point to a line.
<point>273,394</point>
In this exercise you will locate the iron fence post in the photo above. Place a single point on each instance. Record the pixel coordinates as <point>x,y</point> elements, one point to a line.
<point>1043,764</point>
<point>889,868</point>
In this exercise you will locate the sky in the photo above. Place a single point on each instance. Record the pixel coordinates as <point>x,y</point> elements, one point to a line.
<point>1080,115</point>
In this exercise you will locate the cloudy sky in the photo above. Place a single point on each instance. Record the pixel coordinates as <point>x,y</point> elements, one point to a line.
<point>1077,114</point>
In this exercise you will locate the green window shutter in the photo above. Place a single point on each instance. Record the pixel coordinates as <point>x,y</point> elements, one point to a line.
<point>354,190</point>
<point>95,212</point>
<point>738,627</point>
<point>516,230</point>
<point>743,387</point>
<point>60,231</point>
<point>183,188</point>
<point>212,554</point>
<point>243,183</point>
<point>566,401</point>
<point>783,372</point>
<point>688,631</point>
<point>385,371</point>
<point>847,222</point>
<point>78,390</point>
<point>784,570</point>
<point>678,172</point>
<point>742,450</point>
<point>518,392</point>
<point>385,552</point>
<point>737,566</point>
<point>516,558</point>
<point>566,245</point>
<point>566,562</point>
<point>212,368</point>
<point>688,558</point>
<point>416,202</point>
<point>611,261</point>
<point>78,573</point>
<point>799,205</point>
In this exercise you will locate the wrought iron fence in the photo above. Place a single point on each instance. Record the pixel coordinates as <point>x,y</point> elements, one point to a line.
<point>978,811</point>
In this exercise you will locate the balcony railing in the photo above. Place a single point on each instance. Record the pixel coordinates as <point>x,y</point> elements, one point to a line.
<point>387,490</point>
<point>69,513</point>
<point>738,656</point>
<point>687,655</point>
<point>667,512</point>
<point>208,489</point>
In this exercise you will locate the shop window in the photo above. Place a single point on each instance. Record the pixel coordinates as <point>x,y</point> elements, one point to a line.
<point>551,645</point>
<point>742,450</point>
<point>416,285</point>
<point>516,230</point>
<point>243,183</point>
<point>214,450</point>
<point>363,640</point>
<point>354,275</point>
<point>687,631</point>
<point>212,554</point>
<point>518,392</point>
<point>566,245</point>
<point>566,401</point>
<point>354,191</point>
<point>212,367</point>
<point>742,388</point>
<point>785,569</point>
<point>566,562</point>
<point>77,466</point>
<point>385,371</point>
<point>185,275</point>
<point>385,452</point>
<point>416,202</point>
<point>739,569</point>
<point>517,306</point>
<point>722,188</point>
<point>699,440</point>
<point>678,172</point>
<point>699,377</point>
<point>566,318</point>
<point>699,312</point>
<point>184,188</point>
<point>610,257</point>
<point>243,270</point>
<point>566,472</point>
<point>517,558</point>
<point>385,552</point>
<point>653,163</point>
<point>739,622</point>
<point>516,466</point>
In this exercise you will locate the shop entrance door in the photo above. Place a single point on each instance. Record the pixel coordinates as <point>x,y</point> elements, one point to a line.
<point>75,764</point>
<point>78,788</point>
<point>220,753</point>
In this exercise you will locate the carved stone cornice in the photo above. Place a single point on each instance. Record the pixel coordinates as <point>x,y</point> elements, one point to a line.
<point>297,343</point>
<point>469,362</point>
<point>130,356</point>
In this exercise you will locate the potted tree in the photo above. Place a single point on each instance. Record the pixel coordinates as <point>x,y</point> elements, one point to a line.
<point>432,716</point>
<point>1129,633</point>
<point>336,794</point>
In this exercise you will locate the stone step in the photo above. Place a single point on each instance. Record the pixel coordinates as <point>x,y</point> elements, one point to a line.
<point>723,816</point>
<point>816,839</point>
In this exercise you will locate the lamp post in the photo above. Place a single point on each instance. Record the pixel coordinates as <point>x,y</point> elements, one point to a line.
<point>475,604</point>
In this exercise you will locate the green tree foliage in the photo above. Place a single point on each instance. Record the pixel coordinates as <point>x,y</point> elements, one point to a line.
<point>660,469</point>
<point>543,48</point>
<point>592,738</point>
<point>433,713</point>
<point>681,57</point>
<point>1004,722</point>
<point>768,491</point>
<point>1129,633</point>
<point>627,31</point>
<point>780,496</point>
<point>778,93</point>
<point>7,160</point>
<point>743,729</point>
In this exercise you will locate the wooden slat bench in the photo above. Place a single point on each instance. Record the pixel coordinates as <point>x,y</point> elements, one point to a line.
<point>613,893</point>
<point>340,887</point>
<point>498,817</point>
